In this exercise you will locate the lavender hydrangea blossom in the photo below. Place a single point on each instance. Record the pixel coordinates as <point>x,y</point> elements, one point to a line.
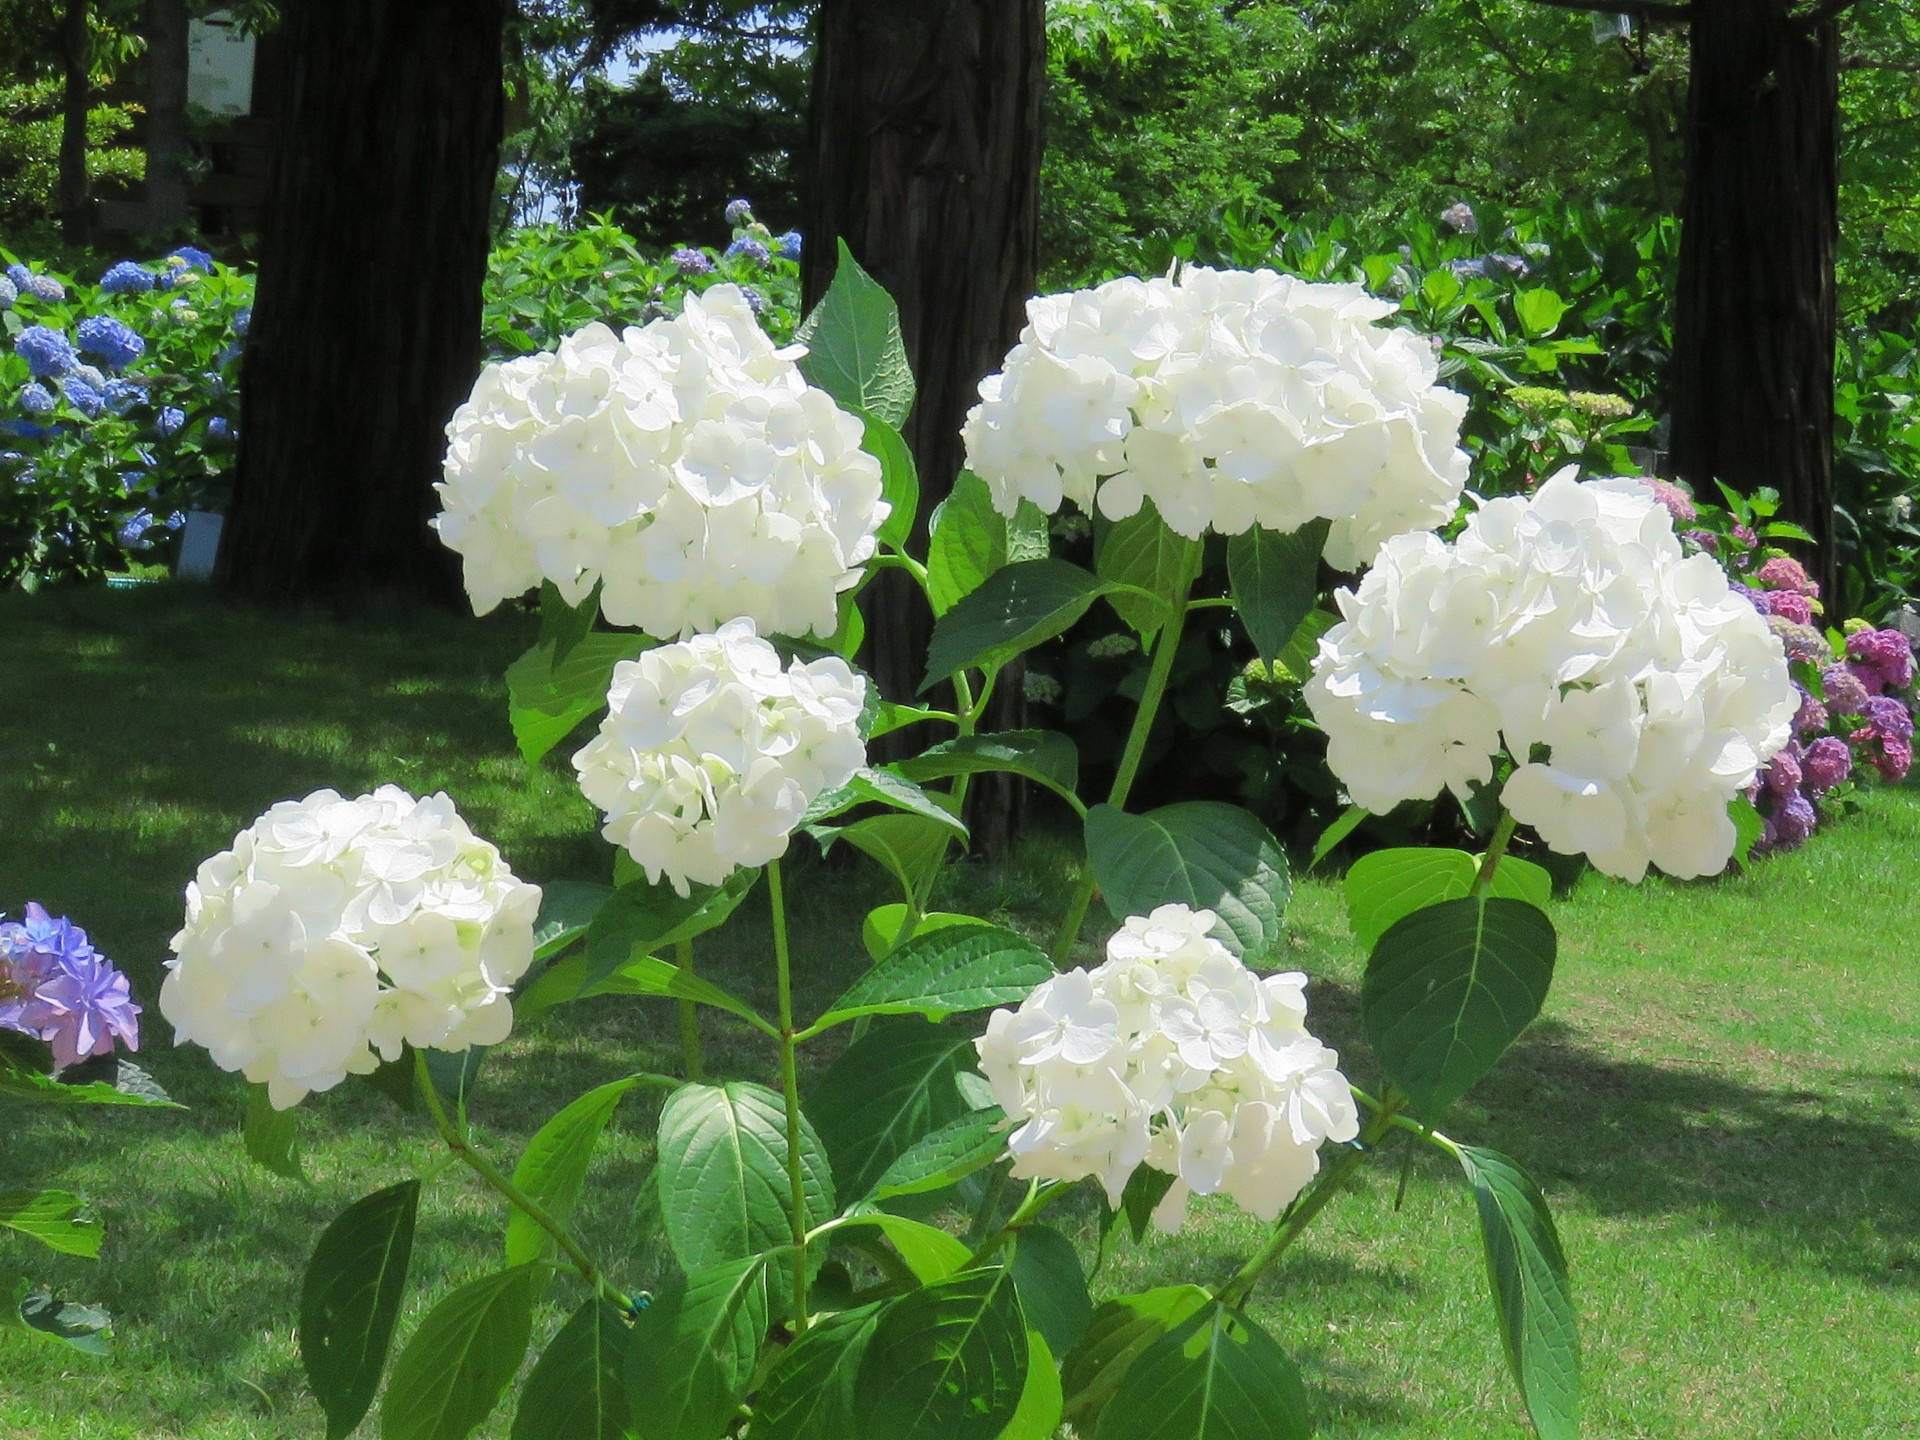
<point>1828,763</point>
<point>689,261</point>
<point>749,249</point>
<point>55,987</point>
<point>45,287</point>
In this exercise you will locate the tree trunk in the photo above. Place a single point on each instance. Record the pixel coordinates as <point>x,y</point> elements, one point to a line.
<point>924,156</point>
<point>366,326</point>
<point>1755,315</point>
<point>167,139</point>
<point>75,48</point>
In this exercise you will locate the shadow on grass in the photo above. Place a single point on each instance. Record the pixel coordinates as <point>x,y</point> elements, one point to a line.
<point>1823,1176</point>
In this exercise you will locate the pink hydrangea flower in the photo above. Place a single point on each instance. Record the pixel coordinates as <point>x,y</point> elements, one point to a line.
<point>1783,572</point>
<point>1792,604</point>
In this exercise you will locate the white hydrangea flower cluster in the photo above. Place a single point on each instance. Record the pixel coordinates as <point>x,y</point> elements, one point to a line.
<point>1173,1054</point>
<point>335,931</point>
<point>1636,693</point>
<point>710,753</point>
<point>687,464</point>
<point>1229,398</point>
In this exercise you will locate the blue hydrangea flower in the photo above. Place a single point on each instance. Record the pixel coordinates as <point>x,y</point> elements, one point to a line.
<point>192,258</point>
<point>177,520</point>
<point>748,249</point>
<point>8,294</point>
<point>756,302</point>
<point>180,277</point>
<point>218,429</point>
<point>45,287</point>
<point>127,278</point>
<point>36,399</point>
<point>133,534</point>
<point>114,342</point>
<point>27,430</point>
<point>123,395</point>
<point>132,481</point>
<point>83,397</point>
<point>18,275</point>
<point>243,321</point>
<point>689,261</point>
<point>788,245</point>
<point>47,352</point>
<point>172,417</point>
<point>739,212</point>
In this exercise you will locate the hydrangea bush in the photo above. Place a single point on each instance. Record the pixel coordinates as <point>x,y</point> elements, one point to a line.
<point>120,402</point>
<point>812,1294</point>
<point>66,1016</point>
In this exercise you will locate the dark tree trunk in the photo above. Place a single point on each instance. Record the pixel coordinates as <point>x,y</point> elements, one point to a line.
<point>366,329</point>
<point>75,199</point>
<point>924,156</point>
<point>1754,320</point>
<point>165,28</point>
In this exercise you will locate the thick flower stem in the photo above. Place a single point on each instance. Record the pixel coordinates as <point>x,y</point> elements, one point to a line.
<point>689,1016</point>
<point>1165,648</point>
<point>458,1143</point>
<point>1496,848</point>
<point>790,1091</point>
<point>1304,1210</point>
<point>1038,1197</point>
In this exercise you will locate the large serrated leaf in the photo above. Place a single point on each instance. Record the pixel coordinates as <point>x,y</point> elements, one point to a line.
<point>967,543</point>
<point>578,1388</point>
<point>1217,1377</point>
<point>1389,885</point>
<point>272,1137</point>
<point>1014,609</point>
<point>899,479</point>
<point>947,1156</point>
<point>694,1350</point>
<point>350,1299</point>
<point>567,908</point>
<point>553,1167</point>
<point>889,1089</point>
<point>1199,853</point>
<point>1141,552</point>
<point>1052,1285</point>
<point>910,847</point>
<point>944,972</point>
<point>639,918</point>
<point>56,1218</point>
<point>722,1172</point>
<point>1449,988</point>
<point>855,351</point>
<point>1527,1276</point>
<point>461,1360</point>
<point>946,1362</point>
<point>1045,756</point>
<point>1118,1332</point>
<point>548,698</point>
<point>1274,579</point>
<point>809,1395</point>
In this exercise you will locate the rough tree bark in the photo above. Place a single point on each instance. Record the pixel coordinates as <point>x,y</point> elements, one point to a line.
<point>75,194</point>
<point>924,156</point>
<point>1755,317</point>
<point>165,28</point>
<point>366,326</point>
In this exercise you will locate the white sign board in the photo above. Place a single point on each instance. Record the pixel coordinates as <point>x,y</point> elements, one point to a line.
<point>219,65</point>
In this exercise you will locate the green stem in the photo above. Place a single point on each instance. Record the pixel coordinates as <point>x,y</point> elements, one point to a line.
<point>790,1091</point>
<point>1165,648</point>
<point>1304,1210</point>
<point>1039,1196</point>
<point>689,1016</point>
<point>458,1143</point>
<point>1496,848</point>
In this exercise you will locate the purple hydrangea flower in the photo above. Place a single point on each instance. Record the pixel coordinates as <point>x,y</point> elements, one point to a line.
<point>47,352</point>
<point>749,249</point>
<point>1459,216</point>
<point>60,990</point>
<point>1783,572</point>
<point>127,278</point>
<point>1827,763</point>
<point>36,399</point>
<point>83,397</point>
<point>115,343</point>
<point>1811,716</point>
<point>1791,605</point>
<point>1468,269</point>
<point>1782,775</point>
<point>1744,537</point>
<point>689,261</point>
<point>1791,823</point>
<point>1844,693</point>
<point>45,287</point>
<point>789,245</point>
<point>1887,652</point>
<point>132,535</point>
<point>172,417</point>
<point>18,275</point>
<point>1888,716</point>
<point>739,212</point>
<point>1869,676</point>
<point>1802,642</point>
<point>1759,599</point>
<point>1895,758</point>
<point>756,302</point>
<point>1679,504</point>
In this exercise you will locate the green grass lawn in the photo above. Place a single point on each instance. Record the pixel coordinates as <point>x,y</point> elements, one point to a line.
<point>1720,1101</point>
